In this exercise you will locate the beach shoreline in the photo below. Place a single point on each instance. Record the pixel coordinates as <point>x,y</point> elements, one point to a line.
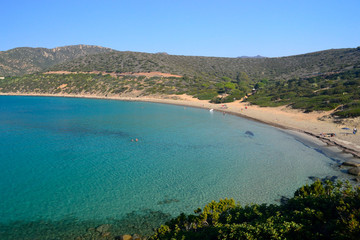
<point>315,124</point>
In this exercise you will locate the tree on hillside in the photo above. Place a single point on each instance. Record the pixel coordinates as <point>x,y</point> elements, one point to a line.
<point>229,86</point>
<point>242,77</point>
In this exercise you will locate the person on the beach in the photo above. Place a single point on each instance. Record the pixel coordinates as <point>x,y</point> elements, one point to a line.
<point>355,130</point>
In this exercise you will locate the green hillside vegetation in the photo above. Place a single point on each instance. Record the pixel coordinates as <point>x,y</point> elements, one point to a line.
<point>215,68</point>
<point>339,91</point>
<point>105,84</point>
<point>318,211</point>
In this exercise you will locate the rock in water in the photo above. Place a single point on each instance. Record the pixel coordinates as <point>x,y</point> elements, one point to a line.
<point>136,237</point>
<point>249,133</point>
<point>126,237</point>
<point>103,228</point>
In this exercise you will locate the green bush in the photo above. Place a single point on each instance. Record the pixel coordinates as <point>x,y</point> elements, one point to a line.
<point>354,112</point>
<point>216,100</point>
<point>322,210</point>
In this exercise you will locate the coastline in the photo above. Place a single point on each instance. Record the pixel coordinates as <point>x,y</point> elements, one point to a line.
<point>311,124</point>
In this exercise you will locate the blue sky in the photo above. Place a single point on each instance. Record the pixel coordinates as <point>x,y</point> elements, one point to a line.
<point>226,28</point>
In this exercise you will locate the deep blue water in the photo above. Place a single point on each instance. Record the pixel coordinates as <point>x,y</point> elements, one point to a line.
<point>74,158</point>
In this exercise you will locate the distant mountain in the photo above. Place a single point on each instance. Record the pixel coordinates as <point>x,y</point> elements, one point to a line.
<point>24,60</point>
<point>257,56</point>
<point>84,58</point>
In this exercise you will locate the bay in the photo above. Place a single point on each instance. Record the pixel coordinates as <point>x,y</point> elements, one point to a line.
<point>64,158</point>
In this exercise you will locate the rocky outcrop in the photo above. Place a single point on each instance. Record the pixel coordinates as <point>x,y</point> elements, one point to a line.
<point>351,163</point>
<point>354,171</point>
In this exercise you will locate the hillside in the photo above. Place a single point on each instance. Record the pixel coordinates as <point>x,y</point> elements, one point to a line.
<point>305,65</point>
<point>25,60</point>
<point>84,58</point>
<point>321,92</point>
<point>322,80</point>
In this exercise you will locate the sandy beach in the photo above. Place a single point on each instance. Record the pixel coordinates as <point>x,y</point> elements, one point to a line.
<point>315,124</point>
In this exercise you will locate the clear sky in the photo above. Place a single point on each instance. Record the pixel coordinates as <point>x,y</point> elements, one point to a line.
<point>224,28</point>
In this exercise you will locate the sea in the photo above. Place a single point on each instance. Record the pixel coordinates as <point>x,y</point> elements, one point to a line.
<point>70,165</point>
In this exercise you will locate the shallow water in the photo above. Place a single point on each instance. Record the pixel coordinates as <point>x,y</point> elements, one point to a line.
<point>65,158</point>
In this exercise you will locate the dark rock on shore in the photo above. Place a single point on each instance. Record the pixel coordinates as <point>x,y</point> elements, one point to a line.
<point>356,179</point>
<point>327,178</point>
<point>351,163</point>
<point>354,171</point>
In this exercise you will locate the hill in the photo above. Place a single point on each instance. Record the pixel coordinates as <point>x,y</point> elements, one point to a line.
<point>322,80</point>
<point>25,60</point>
<point>321,92</point>
<point>84,58</point>
<point>324,62</point>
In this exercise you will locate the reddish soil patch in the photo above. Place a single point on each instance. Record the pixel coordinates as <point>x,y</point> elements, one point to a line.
<point>146,74</point>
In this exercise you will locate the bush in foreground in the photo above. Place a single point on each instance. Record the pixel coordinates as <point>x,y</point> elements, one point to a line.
<point>318,211</point>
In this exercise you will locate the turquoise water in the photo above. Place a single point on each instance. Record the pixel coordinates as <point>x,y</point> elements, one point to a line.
<point>65,158</point>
